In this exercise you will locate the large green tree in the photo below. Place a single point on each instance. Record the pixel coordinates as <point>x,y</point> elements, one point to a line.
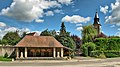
<point>64,38</point>
<point>11,38</point>
<point>66,41</point>
<point>88,33</point>
<point>48,33</point>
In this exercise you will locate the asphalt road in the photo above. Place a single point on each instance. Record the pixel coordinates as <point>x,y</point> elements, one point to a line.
<point>77,62</point>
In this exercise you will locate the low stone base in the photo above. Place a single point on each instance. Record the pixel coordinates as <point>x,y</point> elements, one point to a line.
<point>40,58</point>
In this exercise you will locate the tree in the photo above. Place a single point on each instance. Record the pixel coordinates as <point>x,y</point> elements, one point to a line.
<point>63,30</point>
<point>88,33</point>
<point>11,38</point>
<point>64,38</point>
<point>24,34</point>
<point>45,33</point>
<point>77,40</point>
<point>87,48</point>
<point>66,41</point>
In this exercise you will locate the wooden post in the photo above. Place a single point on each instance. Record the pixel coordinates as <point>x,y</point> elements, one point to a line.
<point>17,52</point>
<point>25,52</point>
<point>61,52</point>
<point>54,52</point>
<point>21,56</point>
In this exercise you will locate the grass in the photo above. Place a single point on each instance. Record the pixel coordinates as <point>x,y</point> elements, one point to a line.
<point>5,59</point>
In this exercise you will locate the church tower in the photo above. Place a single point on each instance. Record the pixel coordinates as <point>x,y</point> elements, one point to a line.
<point>96,23</point>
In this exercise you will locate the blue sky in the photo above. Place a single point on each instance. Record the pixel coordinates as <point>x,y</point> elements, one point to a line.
<point>38,15</point>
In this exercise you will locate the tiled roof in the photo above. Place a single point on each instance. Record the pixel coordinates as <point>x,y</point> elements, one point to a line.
<point>102,35</point>
<point>39,41</point>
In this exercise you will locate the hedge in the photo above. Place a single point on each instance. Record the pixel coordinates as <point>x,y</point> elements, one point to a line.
<point>108,53</point>
<point>108,43</point>
<point>87,48</point>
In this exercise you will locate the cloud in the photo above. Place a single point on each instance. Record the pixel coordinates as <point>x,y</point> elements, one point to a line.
<point>114,18</point>
<point>78,24</point>
<point>75,19</point>
<point>39,20</point>
<point>79,28</point>
<point>104,9</point>
<point>2,24</point>
<point>112,26</point>
<point>12,29</point>
<point>65,1</point>
<point>76,10</point>
<point>115,5</point>
<point>57,11</point>
<point>49,13</point>
<point>118,34</point>
<point>118,24</point>
<point>29,10</point>
<point>119,29</point>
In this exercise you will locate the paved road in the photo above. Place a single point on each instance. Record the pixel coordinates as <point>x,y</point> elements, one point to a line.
<point>77,62</point>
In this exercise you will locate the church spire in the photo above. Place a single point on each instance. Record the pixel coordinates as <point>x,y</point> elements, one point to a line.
<point>96,18</point>
<point>96,15</point>
<point>96,23</point>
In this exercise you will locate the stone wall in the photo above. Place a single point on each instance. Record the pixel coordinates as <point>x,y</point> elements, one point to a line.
<point>6,49</point>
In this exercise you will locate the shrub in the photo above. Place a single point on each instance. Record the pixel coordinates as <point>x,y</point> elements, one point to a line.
<point>108,43</point>
<point>108,53</point>
<point>87,48</point>
<point>102,56</point>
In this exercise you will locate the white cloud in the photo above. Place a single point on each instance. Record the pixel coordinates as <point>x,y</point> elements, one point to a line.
<point>2,24</point>
<point>79,28</point>
<point>118,24</point>
<point>114,18</point>
<point>112,26</point>
<point>49,13</point>
<point>65,1</point>
<point>104,9</point>
<point>118,34</point>
<point>29,10</point>
<point>57,11</point>
<point>75,19</point>
<point>12,29</point>
<point>76,10</point>
<point>78,24</point>
<point>39,20</point>
<point>115,5</point>
<point>119,29</point>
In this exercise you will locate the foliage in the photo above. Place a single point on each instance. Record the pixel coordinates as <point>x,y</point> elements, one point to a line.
<point>88,33</point>
<point>87,48</point>
<point>5,59</point>
<point>48,33</point>
<point>77,40</point>
<point>66,41</point>
<point>45,33</point>
<point>24,34</point>
<point>108,43</point>
<point>108,53</point>
<point>102,55</point>
<point>63,30</point>
<point>11,38</point>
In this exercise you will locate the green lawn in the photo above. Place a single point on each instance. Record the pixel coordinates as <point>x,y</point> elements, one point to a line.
<point>5,59</point>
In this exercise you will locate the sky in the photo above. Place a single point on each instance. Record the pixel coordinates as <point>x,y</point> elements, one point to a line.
<point>38,15</point>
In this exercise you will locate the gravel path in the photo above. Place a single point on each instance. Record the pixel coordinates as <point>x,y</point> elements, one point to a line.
<point>76,62</point>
